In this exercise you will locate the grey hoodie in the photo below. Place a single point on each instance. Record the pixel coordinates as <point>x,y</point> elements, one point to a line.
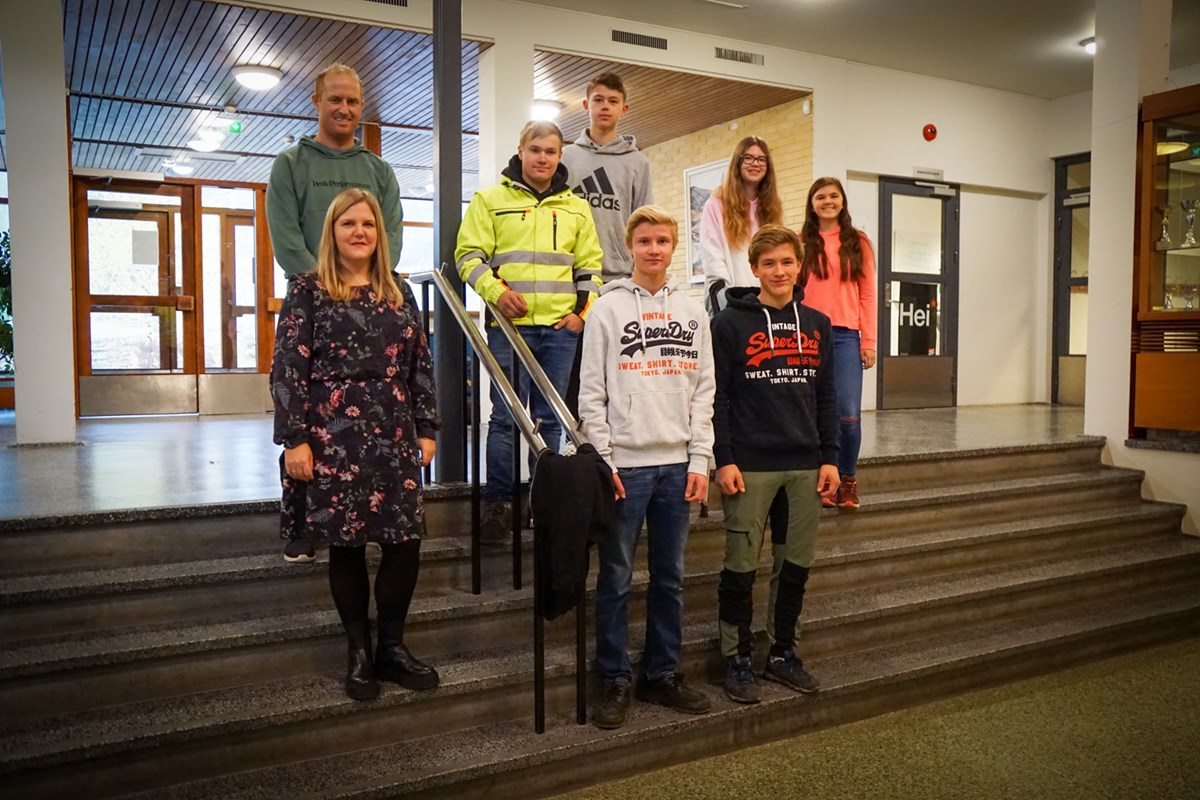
<point>615,179</point>
<point>647,380</point>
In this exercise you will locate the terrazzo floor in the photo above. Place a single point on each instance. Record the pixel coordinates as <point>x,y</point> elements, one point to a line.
<point>149,462</point>
<point>1120,729</point>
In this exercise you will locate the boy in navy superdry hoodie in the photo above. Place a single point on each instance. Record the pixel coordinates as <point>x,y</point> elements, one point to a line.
<point>776,426</point>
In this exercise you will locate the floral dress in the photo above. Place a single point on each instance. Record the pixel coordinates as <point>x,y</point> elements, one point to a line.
<point>354,380</point>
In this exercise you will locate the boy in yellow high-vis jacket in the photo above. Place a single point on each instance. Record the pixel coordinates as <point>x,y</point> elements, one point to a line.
<point>529,246</point>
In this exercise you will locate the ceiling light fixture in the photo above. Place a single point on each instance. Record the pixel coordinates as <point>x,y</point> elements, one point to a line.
<point>1089,44</point>
<point>1170,148</point>
<point>256,77</point>
<point>182,170</point>
<point>546,110</point>
<point>725,3</point>
<point>203,145</point>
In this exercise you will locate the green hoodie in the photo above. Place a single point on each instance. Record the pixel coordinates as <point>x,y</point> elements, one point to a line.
<point>304,181</point>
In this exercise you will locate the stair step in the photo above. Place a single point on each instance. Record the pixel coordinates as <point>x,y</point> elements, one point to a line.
<point>509,759</point>
<point>496,687</point>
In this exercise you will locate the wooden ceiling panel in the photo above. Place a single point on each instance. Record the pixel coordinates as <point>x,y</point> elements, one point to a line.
<point>146,74</point>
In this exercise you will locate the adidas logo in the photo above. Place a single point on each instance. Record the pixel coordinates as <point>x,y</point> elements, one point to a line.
<point>597,190</point>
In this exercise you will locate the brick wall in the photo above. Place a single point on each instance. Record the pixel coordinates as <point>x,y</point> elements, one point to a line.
<point>784,128</point>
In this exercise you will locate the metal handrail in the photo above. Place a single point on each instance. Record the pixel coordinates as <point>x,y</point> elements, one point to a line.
<point>530,362</point>
<point>511,400</point>
<point>537,443</point>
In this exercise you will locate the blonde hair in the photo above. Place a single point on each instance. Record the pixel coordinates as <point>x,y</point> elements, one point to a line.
<point>335,69</point>
<point>382,282</point>
<point>737,207</point>
<point>650,215</point>
<point>537,128</point>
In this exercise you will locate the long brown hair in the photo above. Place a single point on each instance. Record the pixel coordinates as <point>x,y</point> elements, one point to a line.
<point>737,207</point>
<point>850,252</point>
<point>382,282</point>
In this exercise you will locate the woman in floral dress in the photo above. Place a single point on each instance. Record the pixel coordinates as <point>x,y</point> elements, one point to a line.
<point>356,413</point>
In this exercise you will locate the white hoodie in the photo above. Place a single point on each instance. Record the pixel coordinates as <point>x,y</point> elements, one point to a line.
<point>647,379</point>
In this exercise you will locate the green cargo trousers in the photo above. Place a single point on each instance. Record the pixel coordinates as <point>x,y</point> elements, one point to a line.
<point>745,521</point>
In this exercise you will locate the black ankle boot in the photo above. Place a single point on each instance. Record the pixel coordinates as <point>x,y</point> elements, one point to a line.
<point>394,663</point>
<point>360,670</point>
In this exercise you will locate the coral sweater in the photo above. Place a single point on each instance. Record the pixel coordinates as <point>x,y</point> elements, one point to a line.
<point>849,304</point>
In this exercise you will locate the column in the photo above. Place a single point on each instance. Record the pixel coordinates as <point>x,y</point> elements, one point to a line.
<point>38,156</point>
<point>1132,60</point>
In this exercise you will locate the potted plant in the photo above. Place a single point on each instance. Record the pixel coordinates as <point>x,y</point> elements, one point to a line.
<point>6,331</point>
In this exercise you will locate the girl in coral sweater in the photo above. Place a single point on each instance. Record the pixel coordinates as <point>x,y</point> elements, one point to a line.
<point>838,276</point>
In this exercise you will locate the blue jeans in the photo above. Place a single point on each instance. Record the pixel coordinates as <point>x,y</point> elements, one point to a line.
<point>554,351</point>
<point>656,495</point>
<point>848,376</point>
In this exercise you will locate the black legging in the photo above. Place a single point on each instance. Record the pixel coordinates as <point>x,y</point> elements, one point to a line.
<point>394,583</point>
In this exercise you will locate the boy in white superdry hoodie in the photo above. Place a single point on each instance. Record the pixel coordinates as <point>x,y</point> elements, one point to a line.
<point>646,402</point>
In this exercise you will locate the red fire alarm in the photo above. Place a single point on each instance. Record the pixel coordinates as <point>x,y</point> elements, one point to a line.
<point>929,132</point>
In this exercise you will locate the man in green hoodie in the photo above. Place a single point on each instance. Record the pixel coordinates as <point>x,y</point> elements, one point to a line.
<point>304,180</point>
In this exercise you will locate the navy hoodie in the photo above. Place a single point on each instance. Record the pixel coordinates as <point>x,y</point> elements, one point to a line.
<point>776,406</point>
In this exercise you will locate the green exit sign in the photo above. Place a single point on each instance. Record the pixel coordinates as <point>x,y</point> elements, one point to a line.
<point>235,126</point>
<point>1196,151</point>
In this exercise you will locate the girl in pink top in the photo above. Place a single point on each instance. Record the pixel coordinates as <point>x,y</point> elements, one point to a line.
<point>747,198</point>
<point>838,276</point>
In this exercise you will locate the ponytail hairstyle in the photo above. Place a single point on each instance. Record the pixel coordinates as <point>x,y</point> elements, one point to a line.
<point>850,253</point>
<point>733,199</point>
<point>382,282</point>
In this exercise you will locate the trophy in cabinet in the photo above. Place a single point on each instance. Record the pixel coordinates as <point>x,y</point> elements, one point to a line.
<point>1190,298</point>
<point>1189,221</point>
<point>1168,300</point>
<point>1164,239</point>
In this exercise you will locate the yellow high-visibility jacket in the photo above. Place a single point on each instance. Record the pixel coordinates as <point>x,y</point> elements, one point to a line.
<point>547,249</point>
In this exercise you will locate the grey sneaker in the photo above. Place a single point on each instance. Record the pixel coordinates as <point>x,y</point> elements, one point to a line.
<point>609,711</point>
<point>496,525</point>
<point>790,671</point>
<point>299,551</point>
<point>669,691</point>
<point>740,685</point>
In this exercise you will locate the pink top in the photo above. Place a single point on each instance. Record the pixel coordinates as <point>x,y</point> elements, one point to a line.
<point>849,304</point>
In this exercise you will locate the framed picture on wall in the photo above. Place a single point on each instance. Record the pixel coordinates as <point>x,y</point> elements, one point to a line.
<point>698,185</point>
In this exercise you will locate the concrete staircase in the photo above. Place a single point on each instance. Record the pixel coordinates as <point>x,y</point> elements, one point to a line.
<point>175,655</point>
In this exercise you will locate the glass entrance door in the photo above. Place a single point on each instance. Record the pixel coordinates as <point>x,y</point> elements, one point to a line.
<point>1072,225</point>
<point>918,272</point>
<point>135,307</point>
<point>168,302</point>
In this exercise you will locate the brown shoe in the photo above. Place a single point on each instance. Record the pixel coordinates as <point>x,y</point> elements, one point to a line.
<point>847,493</point>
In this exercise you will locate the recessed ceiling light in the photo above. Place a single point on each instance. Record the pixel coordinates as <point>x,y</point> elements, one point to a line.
<point>546,109</point>
<point>1089,44</point>
<point>203,145</point>
<point>258,78</point>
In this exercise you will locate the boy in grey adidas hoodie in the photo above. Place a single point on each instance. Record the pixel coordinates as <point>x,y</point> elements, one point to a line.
<point>605,168</point>
<point>646,401</point>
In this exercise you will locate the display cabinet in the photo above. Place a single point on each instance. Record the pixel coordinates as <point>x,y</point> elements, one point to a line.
<point>1166,328</point>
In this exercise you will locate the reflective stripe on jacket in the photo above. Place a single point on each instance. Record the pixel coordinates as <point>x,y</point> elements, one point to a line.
<point>548,250</point>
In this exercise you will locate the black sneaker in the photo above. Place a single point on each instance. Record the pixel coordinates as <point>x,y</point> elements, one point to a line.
<point>740,685</point>
<point>496,526</point>
<point>609,711</point>
<point>790,671</point>
<point>669,691</point>
<point>299,551</point>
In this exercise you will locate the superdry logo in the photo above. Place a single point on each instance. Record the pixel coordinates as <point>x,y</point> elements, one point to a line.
<point>597,190</point>
<point>672,333</point>
<point>759,347</point>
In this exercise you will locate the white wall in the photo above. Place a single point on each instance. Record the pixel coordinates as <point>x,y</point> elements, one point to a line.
<point>1003,335</point>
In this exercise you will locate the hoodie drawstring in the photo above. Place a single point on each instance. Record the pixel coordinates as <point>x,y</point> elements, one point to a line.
<point>666,304</point>
<point>770,335</point>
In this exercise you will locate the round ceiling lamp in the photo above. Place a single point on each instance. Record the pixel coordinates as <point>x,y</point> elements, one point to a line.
<point>1089,44</point>
<point>257,78</point>
<point>546,110</point>
<point>203,145</point>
